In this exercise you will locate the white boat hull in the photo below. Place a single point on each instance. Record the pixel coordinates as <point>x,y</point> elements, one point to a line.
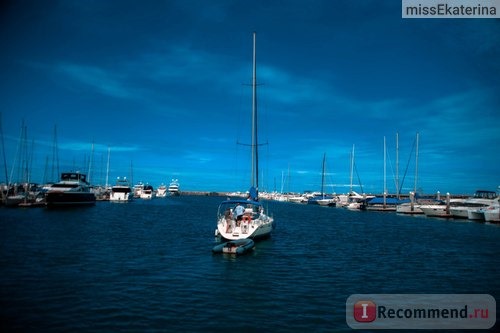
<point>407,208</point>
<point>381,208</point>
<point>145,195</point>
<point>254,229</point>
<point>354,206</point>
<point>476,214</point>
<point>460,212</point>
<point>492,214</point>
<point>161,193</point>
<point>119,197</point>
<point>436,210</point>
<point>326,202</point>
<point>297,199</point>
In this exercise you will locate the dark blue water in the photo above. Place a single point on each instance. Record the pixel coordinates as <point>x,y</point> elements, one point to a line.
<point>147,266</point>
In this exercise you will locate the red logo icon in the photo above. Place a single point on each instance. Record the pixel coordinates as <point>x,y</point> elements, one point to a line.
<point>365,311</point>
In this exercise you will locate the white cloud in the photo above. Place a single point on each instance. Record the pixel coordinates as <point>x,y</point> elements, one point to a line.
<point>104,81</point>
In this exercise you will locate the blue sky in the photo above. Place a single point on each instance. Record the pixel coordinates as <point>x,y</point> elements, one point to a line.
<point>163,84</point>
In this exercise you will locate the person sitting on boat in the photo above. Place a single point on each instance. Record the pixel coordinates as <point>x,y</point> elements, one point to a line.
<point>239,210</point>
<point>229,218</point>
<point>245,222</point>
<point>249,212</point>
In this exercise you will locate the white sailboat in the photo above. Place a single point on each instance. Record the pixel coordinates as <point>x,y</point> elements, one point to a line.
<point>383,204</point>
<point>324,201</point>
<point>354,200</point>
<point>412,207</point>
<point>239,218</point>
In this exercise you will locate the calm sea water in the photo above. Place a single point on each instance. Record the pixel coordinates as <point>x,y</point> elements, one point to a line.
<point>147,266</point>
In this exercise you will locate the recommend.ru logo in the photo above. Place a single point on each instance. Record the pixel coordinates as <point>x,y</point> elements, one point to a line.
<point>421,311</point>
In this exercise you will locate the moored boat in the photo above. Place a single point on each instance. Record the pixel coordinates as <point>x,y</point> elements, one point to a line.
<point>414,206</point>
<point>121,191</point>
<point>22,195</point>
<point>238,247</point>
<point>298,199</point>
<point>15,195</point>
<point>72,190</point>
<point>480,199</point>
<point>326,201</point>
<point>239,219</point>
<point>492,214</point>
<point>147,192</point>
<point>138,189</point>
<point>476,214</point>
<point>409,208</point>
<point>442,208</point>
<point>174,187</point>
<point>354,200</point>
<point>384,203</point>
<point>161,191</point>
<point>323,199</point>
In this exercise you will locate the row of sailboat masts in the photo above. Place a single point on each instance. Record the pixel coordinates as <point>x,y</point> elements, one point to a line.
<point>398,189</point>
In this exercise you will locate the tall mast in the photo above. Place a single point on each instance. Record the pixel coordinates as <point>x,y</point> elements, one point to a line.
<point>397,165</point>
<point>131,173</point>
<point>25,157</point>
<point>3,153</point>
<point>385,169</point>
<point>323,176</point>
<point>255,153</point>
<point>55,157</point>
<point>18,155</point>
<point>90,162</point>
<point>416,166</point>
<point>107,168</point>
<point>352,168</point>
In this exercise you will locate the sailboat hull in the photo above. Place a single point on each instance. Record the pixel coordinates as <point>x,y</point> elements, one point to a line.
<point>253,224</point>
<point>252,232</point>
